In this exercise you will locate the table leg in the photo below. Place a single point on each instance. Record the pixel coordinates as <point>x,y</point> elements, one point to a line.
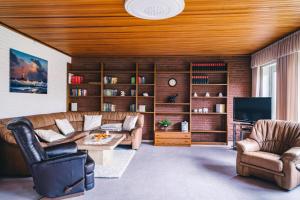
<point>234,136</point>
<point>101,157</point>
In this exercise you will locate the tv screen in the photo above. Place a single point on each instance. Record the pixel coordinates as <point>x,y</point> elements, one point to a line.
<point>252,109</point>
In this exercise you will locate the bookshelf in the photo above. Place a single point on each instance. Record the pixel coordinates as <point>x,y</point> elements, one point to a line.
<point>85,91</point>
<point>104,95</point>
<point>151,91</point>
<point>215,129</point>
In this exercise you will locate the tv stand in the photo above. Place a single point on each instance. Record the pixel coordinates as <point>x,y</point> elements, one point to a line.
<point>243,127</point>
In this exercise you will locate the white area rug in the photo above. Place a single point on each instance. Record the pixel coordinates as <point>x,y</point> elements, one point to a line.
<point>118,165</point>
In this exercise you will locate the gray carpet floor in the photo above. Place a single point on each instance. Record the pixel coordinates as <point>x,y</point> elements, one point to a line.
<point>171,173</point>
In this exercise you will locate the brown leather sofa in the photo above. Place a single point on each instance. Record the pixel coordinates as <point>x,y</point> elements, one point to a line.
<point>12,162</point>
<point>272,151</point>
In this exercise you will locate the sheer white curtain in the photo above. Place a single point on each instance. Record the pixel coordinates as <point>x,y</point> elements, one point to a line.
<point>285,53</point>
<point>255,81</point>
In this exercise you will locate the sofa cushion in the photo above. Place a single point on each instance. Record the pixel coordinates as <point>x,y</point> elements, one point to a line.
<point>49,135</point>
<point>112,127</point>
<point>69,138</point>
<point>263,159</point>
<point>64,126</point>
<point>92,122</point>
<point>129,123</point>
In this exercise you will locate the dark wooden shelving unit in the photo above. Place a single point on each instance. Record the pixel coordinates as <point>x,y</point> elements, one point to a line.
<point>119,84</point>
<point>208,131</point>
<point>215,129</point>
<point>84,72</point>
<point>85,96</point>
<point>209,97</point>
<point>91,82</point>
<point>175,112</point>
<point>175,104</point>
<point>172,113</point>
<point>210,113</point>
<point>210,84</point>
<point>96,74</point>
<point>204,128</point>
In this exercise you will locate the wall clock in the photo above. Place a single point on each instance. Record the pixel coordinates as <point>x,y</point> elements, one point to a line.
<point>172,82</point>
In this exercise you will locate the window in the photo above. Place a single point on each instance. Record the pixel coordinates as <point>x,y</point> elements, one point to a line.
<point>268,84</point>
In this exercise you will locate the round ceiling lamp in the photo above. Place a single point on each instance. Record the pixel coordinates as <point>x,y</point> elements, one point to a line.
<point>154,9</point>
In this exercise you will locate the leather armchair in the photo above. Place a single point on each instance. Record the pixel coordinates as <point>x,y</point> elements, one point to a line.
<point>57,170</point>
<point>272,151</point>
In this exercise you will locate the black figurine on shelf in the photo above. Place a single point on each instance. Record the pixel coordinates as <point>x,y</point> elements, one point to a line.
<point>172,99</point>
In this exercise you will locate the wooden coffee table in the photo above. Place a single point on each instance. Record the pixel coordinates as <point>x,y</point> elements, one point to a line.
<point>101,153</point>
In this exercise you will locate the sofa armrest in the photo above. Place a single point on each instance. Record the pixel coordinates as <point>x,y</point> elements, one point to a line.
<point>61,149</point>
<point>293,154</point>
<point>247,145</point>
<point>137,135</point>
<point>61,173</point>
<point>7,136</point>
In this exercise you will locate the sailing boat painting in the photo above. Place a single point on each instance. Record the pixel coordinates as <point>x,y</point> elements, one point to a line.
<point>28,74</point>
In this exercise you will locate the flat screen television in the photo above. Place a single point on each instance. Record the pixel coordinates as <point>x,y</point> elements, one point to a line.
<point>252,109</point>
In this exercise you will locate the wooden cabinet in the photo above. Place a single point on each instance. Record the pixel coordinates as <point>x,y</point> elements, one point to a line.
<point>172,138</point>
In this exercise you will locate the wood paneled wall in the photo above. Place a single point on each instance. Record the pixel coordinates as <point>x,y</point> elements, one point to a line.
<point>238,66</point>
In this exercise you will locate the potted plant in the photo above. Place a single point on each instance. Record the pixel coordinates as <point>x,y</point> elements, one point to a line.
<point>164,124</point>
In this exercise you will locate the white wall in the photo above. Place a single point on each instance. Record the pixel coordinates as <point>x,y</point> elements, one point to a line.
<point>18,104</point>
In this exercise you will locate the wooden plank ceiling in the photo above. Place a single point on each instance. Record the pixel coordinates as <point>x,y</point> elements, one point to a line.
<point>102,27</point>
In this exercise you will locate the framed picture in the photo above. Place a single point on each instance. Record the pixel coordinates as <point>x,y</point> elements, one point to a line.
<point>28,74</point>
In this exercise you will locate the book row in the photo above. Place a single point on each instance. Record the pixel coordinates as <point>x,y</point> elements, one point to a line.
<point>210,67</point>
<point>200,80</point>
<point>108,107</point>
<point>78,92</point>
<point>72,79</point>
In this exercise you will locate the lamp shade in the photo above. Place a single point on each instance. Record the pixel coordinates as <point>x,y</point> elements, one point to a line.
<point>154,9</point>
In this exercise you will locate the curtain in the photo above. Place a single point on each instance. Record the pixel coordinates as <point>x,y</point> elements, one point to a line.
<point>265,56</point>
<point>286,54</point>
<point>255,81</point>
<point>287,88</point>
<point>286,46</point>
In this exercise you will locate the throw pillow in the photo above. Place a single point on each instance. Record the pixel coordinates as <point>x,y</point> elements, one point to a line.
<point>92,122</point>
<point>64,126</point>
<point>129,123</point>
<point>112,127</point>
<point>49,135</point>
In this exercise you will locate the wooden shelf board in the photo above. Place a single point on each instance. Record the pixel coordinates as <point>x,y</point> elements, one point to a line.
<point>145,72</point>
<point>145,96</point>
<point>84,72</point>
<point>211,84</point>
<point>172,113</point>
<point>210,113</point>
<point>146,84</point>
<point>119,71</point>
<point>120,84</point>
<point>170,131</point>
<point>119,96</point>
<point>209,97</point>
<point>209,143</point>
<point>85,84</point>
<point>172,72</point>
<point>209,72</point>
<point>178,104</point>
<point>208,131</point>
<point>146,112</point>
<point>84,96</point>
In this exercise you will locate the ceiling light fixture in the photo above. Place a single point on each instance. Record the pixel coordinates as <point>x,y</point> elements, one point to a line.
<point>154,9</point>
